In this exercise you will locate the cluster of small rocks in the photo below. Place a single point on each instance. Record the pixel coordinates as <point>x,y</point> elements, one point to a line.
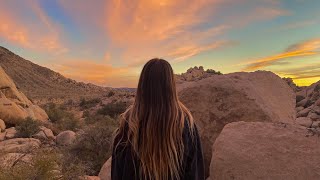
<point>15,150</point>
<point>308,108</point>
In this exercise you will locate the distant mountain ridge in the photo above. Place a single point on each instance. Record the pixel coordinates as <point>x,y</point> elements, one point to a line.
<point>39,82</point>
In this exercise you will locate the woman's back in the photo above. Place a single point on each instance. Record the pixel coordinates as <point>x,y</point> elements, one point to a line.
<point>125,164</point>
<point>157,138</point>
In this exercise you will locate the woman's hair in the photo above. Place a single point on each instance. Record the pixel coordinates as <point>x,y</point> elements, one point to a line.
<point>154,124</point>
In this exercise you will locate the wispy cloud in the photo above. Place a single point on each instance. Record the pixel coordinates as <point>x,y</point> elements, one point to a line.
<point>184,52</point>
<point>306,48</point>
<point>141,29</point>
<point>16,29</point>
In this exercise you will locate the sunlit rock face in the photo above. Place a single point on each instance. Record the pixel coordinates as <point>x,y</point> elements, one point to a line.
<point>252,97</point>
<point>14,105</point>
<point>257,150</point>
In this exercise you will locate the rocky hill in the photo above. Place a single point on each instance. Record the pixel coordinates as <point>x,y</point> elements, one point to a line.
<point>39,82</point>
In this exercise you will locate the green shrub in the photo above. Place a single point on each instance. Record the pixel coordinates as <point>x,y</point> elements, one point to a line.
<point>87,104</point>
<point>211,71</point>
<point>113,109</point>
<point>94,146</point>
<point>28,127</point>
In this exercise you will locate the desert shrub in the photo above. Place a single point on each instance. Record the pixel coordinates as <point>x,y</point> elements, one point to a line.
<point>27,127</point>
<point>86,114</point>
<point>55,112</point>
<point>45,164</point>
<point>68,122</point>
<point>93,146</point>
<point>87,104</point>
<point>62,119</point>
<point>110,94</point>
<point>211,71</point>
<point>94,118</point>
<point>70,102</point>
<point>113,109</point>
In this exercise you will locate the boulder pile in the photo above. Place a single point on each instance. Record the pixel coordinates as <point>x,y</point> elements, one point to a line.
<point>308,107</point>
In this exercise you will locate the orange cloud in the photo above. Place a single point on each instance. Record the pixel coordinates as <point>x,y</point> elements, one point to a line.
<point>142,29</point>
<point>307,48</point>
<point>97,73</point>
<point>16,29</point>
<point>185,52</point>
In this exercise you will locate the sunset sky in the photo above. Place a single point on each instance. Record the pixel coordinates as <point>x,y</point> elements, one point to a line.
<point>106,42</point>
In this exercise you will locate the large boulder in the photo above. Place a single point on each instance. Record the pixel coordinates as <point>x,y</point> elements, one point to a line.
<point>45,135</point>
<point>11,133</point>
<point>257,150</point>
<point>8,160</point>
<point>14,105</point>
<point>19,145</point>
<point>66,138</point>
<point>105,172</point>
<point>219,100</point>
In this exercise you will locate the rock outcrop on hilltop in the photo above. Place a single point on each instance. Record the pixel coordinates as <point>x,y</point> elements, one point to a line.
<point>292,84</point>
<point>14,105</point>
<point>196,74</point>
<point>251,97</point>
<point>41,83</point>
<point>255,150</point>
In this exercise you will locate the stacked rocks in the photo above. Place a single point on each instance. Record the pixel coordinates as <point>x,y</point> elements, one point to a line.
<point>308,107</point>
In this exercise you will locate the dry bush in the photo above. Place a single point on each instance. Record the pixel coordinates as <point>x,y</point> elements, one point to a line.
<point>113,109</point>
<point>46,164</point>
<point>87,104</point>
<point>62,120</point>
<point>94,145</point>
<point>28,127</point>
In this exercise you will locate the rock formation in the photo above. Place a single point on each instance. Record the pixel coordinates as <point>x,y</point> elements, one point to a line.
<point>195,74</point>
<point>256,150</point>
<point>219,100</point>
<point>292,84</point>
<point>21,145</point>
<point>308,107</point>
<point>14,105</point>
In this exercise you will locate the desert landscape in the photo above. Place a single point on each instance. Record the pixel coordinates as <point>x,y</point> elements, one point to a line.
<point>252,125</point>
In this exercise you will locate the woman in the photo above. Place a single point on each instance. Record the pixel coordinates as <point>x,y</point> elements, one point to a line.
<point>157,138</point>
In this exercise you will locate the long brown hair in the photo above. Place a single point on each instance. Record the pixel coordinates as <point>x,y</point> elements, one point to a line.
<point>154,124</point>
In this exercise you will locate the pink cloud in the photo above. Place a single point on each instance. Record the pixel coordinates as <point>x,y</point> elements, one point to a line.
<point>17,27</point>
